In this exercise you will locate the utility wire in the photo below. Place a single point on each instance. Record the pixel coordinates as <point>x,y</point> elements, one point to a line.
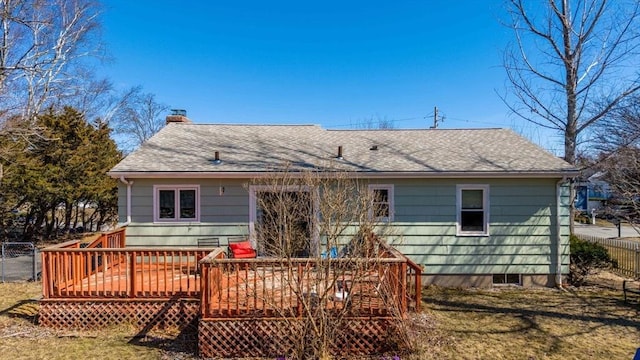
<point>547,146</point>
<point>475,121</point>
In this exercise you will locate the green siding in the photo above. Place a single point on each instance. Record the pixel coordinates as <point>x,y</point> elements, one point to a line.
<point>522,230</point>
<point>522,227</point>
<point>222,214</point>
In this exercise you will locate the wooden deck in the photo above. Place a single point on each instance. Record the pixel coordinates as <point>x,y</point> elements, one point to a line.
<point>233,288</point>
<point>236,303</point>
<point>265,290</point>
<point>276,287</point>
<point>117,281</point>
<point>98,273</point>
<point>261,307</point>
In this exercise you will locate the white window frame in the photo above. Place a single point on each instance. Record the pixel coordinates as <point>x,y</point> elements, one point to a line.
<point>485,208</point>
<point>389,188</point>
<point>505,277</point>
<point>176,189</point>
<point>253,207</point>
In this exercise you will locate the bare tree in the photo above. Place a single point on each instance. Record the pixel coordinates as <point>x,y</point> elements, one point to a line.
<point>43,45</point>
<point>619,160</point>
<point>375,123</point>
<point>46,49</point>
<point>328,226</point>
<point>573,62</point>
<point>622,130</point>
<point>135,117</point>
<point>96,99</point>
<point>621,169</point>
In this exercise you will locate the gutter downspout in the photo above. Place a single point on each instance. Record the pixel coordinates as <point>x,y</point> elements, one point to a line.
<point>558,231</point>
<point>128,183</point>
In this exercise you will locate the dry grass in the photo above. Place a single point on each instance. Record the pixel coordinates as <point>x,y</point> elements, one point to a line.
<point>509,323</point>
<point>21,338</point>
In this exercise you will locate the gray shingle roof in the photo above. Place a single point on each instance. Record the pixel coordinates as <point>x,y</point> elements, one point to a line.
<point>258,148</point>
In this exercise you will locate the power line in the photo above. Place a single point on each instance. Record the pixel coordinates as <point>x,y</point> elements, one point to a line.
<point>436,115</point>
<point>475,121</point>
<point>441,118</point>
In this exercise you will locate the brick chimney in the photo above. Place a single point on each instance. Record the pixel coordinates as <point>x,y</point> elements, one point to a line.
<point>178,116</point>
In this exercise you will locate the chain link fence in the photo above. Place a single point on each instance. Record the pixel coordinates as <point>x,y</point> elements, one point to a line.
<point>20,262</point>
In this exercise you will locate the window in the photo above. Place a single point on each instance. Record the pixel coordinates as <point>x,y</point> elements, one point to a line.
<point>176,203</point>
<point>382,207</point>
<point>507,279</point>
<point>473,210</point>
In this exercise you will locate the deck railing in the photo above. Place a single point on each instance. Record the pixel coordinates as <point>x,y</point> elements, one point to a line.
<point>105,269</point>
<point>113,240</point>
<point>384,286</point>
<point>121,273</point>
<point>414,277</point>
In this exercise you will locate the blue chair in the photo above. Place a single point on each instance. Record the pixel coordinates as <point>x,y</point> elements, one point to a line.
<point>333,253</point>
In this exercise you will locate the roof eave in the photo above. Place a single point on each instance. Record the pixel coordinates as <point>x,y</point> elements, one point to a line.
<point>568,173</point>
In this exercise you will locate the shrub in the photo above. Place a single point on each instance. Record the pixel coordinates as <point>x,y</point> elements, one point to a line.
<point>586,257</point>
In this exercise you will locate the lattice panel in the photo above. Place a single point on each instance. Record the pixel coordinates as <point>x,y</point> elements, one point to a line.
<point>275,338</point>
<point>247,338</point>
<point>365,337</point>
<point>87,315</point>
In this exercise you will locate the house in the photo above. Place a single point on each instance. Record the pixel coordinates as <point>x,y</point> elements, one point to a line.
<point>592,193</point>
<point>475,207</point>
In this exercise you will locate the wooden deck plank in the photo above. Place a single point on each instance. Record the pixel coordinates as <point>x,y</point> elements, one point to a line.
<point>115,280</point>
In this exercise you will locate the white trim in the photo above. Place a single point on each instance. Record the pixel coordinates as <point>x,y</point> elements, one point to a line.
<point>505,283</point>
<point>485,208</point>
<point>176,188</point>
<point>253,207</point>
<point>559,185</point>
<point>129,185</point>
<point>252,214</point>
<point>356,175</point>
<point>389,188</point>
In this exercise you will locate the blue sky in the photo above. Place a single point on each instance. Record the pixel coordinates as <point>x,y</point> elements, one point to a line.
<point>333,63</point>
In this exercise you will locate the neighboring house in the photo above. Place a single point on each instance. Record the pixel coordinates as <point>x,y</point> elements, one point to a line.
<point>475,207</point>
<point>592,193</point>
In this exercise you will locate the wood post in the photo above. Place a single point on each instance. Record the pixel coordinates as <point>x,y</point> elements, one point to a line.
<point>403,287</point>
<point>45,275</point>
<point>205,293</point>
<point>134,269</point>
<point>418,294</point>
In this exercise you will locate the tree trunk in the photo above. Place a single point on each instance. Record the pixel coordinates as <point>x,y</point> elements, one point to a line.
<point>68,212</point>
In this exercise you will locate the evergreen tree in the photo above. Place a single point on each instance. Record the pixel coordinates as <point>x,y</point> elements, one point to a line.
<point>60,179</point>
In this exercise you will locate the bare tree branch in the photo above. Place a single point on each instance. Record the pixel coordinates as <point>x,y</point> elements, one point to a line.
<point>44,46</point>
<point>302,218</point>
<point>135,117</point>
<point>568,56</point>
